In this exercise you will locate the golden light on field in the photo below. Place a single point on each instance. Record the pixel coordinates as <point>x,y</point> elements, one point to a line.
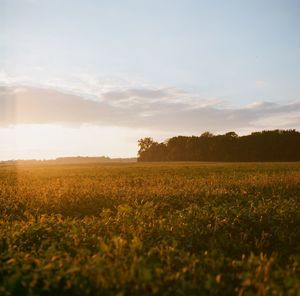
<point>149,147</point>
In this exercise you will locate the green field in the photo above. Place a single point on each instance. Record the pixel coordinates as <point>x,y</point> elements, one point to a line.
<point>140,229</point>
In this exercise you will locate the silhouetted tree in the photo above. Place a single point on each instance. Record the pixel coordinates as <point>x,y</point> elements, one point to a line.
<point>276,145</point>
<point>145,145</point>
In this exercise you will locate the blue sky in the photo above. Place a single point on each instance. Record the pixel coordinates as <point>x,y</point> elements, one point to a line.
<point>209,56</point>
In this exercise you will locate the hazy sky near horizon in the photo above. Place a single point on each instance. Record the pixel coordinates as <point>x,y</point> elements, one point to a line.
<point>92,77</point>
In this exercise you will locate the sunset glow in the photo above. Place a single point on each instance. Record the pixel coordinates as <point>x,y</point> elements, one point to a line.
<point>105,74</point>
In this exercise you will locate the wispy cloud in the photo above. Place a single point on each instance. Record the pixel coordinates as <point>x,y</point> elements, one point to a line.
<point>165,109</point>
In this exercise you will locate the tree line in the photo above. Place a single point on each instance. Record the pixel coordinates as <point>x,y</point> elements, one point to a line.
<point>270,145</point>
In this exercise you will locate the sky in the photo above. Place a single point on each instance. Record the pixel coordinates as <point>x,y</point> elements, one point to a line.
<point>91,77</point>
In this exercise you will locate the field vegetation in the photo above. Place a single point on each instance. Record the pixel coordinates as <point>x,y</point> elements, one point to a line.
<point>141,228</point>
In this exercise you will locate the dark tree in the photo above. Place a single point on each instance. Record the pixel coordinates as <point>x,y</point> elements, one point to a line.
<point>276,145</point>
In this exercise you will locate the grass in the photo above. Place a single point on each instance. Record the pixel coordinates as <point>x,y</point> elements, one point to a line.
<point>140,229</point>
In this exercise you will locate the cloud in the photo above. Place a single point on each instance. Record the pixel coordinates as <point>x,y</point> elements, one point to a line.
<point>165,109</point>
<point>260,83</point>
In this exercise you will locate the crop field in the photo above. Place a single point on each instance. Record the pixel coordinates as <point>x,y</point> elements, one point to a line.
<point>150,229</point>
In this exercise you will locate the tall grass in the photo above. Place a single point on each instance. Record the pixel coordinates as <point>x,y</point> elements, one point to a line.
<point>138,229</point>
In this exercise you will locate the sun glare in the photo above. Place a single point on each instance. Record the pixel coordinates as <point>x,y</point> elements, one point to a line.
<point>41,141</point>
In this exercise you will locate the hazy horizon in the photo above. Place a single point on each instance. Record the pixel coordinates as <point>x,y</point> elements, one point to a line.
<point>90,78</point>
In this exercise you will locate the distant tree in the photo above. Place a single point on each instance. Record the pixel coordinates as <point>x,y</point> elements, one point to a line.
<point>206,135</point>
<point>276,145</point>
<point>231,135</point>
<point>145,144</point>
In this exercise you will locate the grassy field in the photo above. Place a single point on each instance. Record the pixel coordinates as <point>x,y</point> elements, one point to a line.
<point>140,229</point>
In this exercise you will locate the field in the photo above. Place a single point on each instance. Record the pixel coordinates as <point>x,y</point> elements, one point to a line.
<point>140,229</point>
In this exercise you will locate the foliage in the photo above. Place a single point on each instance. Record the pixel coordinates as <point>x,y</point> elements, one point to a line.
<point>140,229</point>
<point>277,145</point>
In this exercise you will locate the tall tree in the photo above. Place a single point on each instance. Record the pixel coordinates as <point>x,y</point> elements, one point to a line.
<point>276,145</point>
